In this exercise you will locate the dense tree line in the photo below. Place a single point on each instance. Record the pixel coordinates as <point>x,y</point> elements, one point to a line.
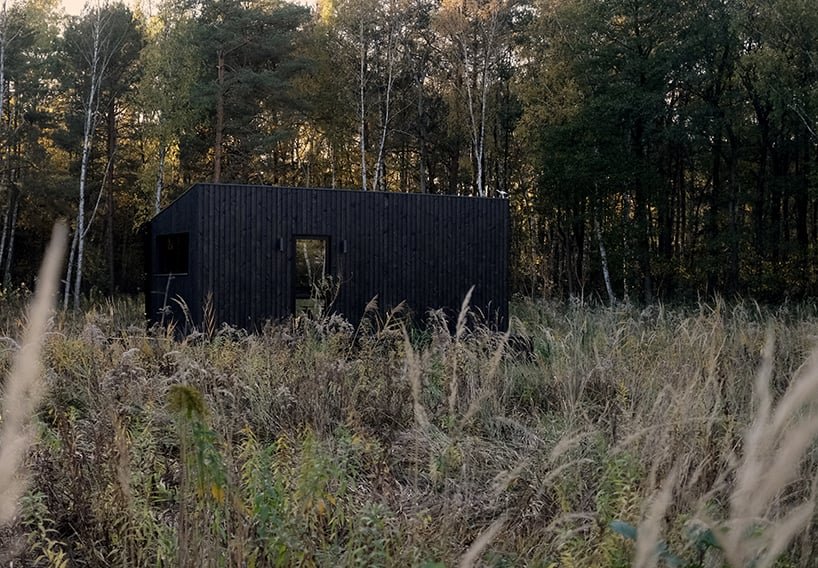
<point>649,148</point>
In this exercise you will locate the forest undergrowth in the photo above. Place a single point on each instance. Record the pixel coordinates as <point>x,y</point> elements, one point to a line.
<point>589,436</point>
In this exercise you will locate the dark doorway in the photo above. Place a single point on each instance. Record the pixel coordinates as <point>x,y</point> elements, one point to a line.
<point>310,271</point>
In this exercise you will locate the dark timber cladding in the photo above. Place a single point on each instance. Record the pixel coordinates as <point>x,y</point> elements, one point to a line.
<point>250,248</point>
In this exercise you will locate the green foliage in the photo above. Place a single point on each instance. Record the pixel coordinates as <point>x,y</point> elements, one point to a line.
<point>667,146</point>
<point>618,494</point>
<point>303,445</point>
<point>242,92</point>
<point>702,540</point>
<point>43,549</point>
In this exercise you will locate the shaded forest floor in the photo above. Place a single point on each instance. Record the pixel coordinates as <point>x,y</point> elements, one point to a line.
<point>314,443</point>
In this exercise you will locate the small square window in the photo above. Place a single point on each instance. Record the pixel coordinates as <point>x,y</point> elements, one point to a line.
<point>172,253</point>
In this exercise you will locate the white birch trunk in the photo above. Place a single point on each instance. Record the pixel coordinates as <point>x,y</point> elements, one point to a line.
<point>603,257</point>
<point>481,140</point>
<point>69,270</point>
<point>160,178</point>
<point>87,139</point>
<point>6,219</point>
<point>332,163</point>
<point>10,252</point>
<point>421,136</point>
<point>389,80</point>
<point>362,104</point>
<point>477,116</point>
<point>7,216</point>
<point>3,234</point>
<point>472,116</point>
<point>98,62</point>
<point>3,59</point>
<point>94,211</point>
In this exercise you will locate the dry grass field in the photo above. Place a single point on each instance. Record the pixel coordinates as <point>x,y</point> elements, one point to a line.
<point>593,437</point>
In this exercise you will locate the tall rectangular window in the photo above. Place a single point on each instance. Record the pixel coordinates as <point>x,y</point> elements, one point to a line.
<point>310,272</point>
<point>172,253</point>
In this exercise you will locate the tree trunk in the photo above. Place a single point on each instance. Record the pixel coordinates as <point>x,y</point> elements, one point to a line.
<point>802,194</point>
<point>377,181</point>
<point>160,178</point>
<point>98,64</point>
<point>332,164</point>
<point>454,170</point>
<point>481,149</point>
<point>779,168</point>
<point>476,118</point>
<point>642,212</point>
<point>762,117</point>
<point>6,224</point>
<point>665,210</point>
<point>217,144</point>
<point>4,176</point>
<point>603,258</point>
<point>6,219</point>
<point>714,205</point>
<point>362,104</point>
<point>9,224</point>
<point>578,234</point>
<point>110,202</point>
<point>10,251</point>
<point>733,266</point>
<point>421,122</point>
<point>86,156</point>
<point>2,59</point>
<point>69,270</point>
<point>404,175</point>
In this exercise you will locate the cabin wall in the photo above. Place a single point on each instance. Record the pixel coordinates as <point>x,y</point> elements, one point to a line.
<point>425,249</point>
<point>164,291</point>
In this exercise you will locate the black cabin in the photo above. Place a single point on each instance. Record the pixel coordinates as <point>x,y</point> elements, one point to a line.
<point>262,252</point>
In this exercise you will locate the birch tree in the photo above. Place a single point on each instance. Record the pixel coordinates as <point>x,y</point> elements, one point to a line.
<point>11,204</point>
<point>94,43</point>
<point>169,73</point>
<point>476,34</point>
<point>12,201</point>
<point>371,31</point>
<point>18,36</point>
<point>116,89</point>
<point>355,22</point>
<point>390,22</point>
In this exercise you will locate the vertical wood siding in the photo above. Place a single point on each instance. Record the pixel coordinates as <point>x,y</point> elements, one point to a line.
<point>182,216</point>
<point>427,250</point>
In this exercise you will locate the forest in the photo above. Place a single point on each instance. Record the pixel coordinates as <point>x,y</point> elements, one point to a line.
<point>650,149</point>
<point>653,402</point>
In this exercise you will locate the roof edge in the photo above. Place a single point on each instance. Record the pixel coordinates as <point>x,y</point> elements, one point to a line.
<point>177,198</point>
<point>340,189</point>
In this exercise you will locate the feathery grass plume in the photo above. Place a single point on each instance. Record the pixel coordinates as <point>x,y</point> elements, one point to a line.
<point>774,448</point>
<point>491,371</point>
<point>23,388</point>
<point>459,329</point>
<point>647,540</point>
<point>464,312</point>
<point>414,374</point>
<point>187,313</point>
<point>209,316</point>
<point>472,555</point>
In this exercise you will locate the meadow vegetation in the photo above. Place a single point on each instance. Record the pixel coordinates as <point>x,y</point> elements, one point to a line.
<point>590,436</point>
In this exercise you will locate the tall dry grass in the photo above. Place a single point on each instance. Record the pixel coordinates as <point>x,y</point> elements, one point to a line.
<point>316,444</point>
<point>23,388</point>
